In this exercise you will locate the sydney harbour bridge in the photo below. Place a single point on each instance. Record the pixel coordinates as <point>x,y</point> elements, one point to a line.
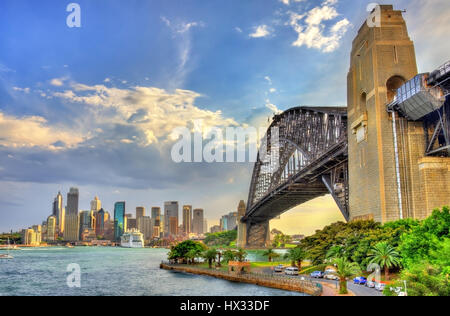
<point>314,158</point>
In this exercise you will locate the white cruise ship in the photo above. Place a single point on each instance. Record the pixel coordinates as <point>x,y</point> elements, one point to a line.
<point>132,239</point>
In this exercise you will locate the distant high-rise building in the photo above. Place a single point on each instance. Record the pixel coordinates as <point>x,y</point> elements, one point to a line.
<point>71,225</point>
<point>119,220</point>
<point>31,237</point>
<point>198,221</point>
<point>229,221</point>
<point>170,210</point>
<point>173,226</point>
<point>215,229</point>
<point>96,204</point>
<point>242,227</point>
<point>187,219</point>
<point>156,218</point>
<point>205,226</point>
<point>87,221</point>
<point>59,212</point>
<point>131,223</point>
<point>140,212</point>
<point>146,227</point>
<point>51,228</point>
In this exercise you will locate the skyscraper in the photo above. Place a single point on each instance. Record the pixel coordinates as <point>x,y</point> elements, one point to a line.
<point>87,221</point>
<point>198,221</point>
<point>96,204</point>
<point>140,211</point>
<point>102,218</point>
<point>187,219</point>
<point>71,227</point>
<point>51,228</point>
<point>119,220</point>
<point>59,212</point>
<point>170,210</point>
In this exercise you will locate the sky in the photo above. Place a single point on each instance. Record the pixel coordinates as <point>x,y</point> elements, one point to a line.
<point>95,107</point>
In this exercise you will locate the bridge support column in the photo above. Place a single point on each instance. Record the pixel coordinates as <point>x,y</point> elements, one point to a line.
<point>258,235</point>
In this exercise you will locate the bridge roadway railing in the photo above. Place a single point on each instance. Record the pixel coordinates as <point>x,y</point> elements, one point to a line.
<point>271,280</point>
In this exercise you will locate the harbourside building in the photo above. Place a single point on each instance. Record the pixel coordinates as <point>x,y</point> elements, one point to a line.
<point>198,221</point>
<point>119,220</point>
<point>71,225</point>
<point>187,219</point>
<point>171,209</point>
<point>51,234</point>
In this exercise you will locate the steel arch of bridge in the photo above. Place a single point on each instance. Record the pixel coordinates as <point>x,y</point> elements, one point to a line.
<point>313,161</point>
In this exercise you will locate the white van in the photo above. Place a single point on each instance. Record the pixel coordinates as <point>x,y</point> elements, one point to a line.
<point>291,271</point>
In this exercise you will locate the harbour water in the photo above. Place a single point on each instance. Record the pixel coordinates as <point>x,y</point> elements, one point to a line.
<point>110,271</point>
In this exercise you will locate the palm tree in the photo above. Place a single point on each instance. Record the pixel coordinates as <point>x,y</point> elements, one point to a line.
<point>229,255</point>
<point>192,254</point>
<point>241,254</point>
<point>386,256</point>
<point>219,258</point>
<point>270,254</point>
<point>296,255</point>
<point>210,255</point>
<point>344,270</point>
<point>335,252</point>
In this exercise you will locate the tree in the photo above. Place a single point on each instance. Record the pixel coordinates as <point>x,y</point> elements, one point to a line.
<point>210,255</point>
<point>219,258</point>
<point>229,255</point>
<point>270,253</point>
<point>386,256</point>
<point>180,251</point>
<point>344,270</point>
<point>221,239</point>
<point>296,255</point>
<point>335,252</point>
<point>241,254</point>
<point>193,254</point>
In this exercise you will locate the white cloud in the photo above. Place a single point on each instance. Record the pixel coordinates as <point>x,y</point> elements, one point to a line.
<point>182,27</point>
<point>57,82</point>
<point>25,90</point>
<point>273,107</point>
<point>154,113</point>
<point>272,90</point>
<point>288,2</point>
<point>31,131</point>
<point>260,31</point>
<point>107,80</point>
<point>238,29</point>
<point>268,79</point>
<point>312,31</point>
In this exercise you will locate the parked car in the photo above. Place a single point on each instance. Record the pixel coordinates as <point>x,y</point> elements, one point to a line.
<point>380,287</point>
<point>291,271</point>
<point>371,284</point>
<point>331,276</point>
<point>279,268</point>
<point>360,280</point>
<point>317,275</point>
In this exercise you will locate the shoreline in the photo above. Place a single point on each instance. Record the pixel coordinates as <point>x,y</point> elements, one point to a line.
<point>286,284</point>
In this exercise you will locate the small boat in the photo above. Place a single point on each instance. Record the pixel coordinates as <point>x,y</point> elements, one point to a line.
<point>7,256</point>
<point>69,246</point>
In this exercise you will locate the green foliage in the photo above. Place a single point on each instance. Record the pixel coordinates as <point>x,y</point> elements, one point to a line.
<point>222,239</point>
<point>385,256</point>
<point>296,255</point>
<point>270,254</point>
<point>281,240</point>
<point>344,270</point>
<point>241,254</point>
<point>210,256</point>
<point>424,238</point>
<point>229,255</point>
<point>180,251</point>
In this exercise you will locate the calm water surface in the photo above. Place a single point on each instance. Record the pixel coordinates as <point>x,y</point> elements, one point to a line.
<point>110,271</point>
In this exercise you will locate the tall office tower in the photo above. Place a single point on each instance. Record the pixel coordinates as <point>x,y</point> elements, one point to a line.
<point>87,221</point>
<point>156,218</point>
<point>96,204</point>
<point>170,210</point>
<point>71,225</point>
<point>119,220</point>
<point>205,226</point>
<point>242,227</point>
<point>131,223</point>
<point>101,219</point>
<point>51,228</point>
<point>145,227</point>
<point>59,212</point>
<point>198,221</point>
<point>140,211</point>
<point>173,226</point>
<point>187,219</point>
